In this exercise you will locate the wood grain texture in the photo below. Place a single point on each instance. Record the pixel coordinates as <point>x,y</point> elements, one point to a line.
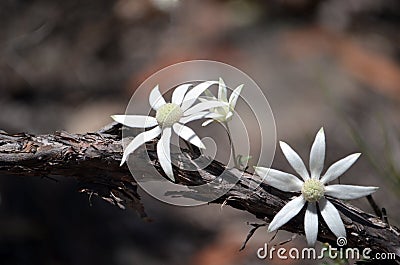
<point>93,160</point>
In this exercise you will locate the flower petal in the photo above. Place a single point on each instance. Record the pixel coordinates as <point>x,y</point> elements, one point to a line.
<point>229,115</point>
<point>317,155</point>
<point>209,95</point>
<point>291,209</point>
<point>163,152</point>
<point>179,93</point>
<point>348,192</point>
<point>206,98</point>
<point>140,139</point>
<point>188,134</point>
<point>234,96</point>
<point>222,91</point>
<point>135,121</point>
<point>200,115</point>
<point>338,168</point>
<point>206,105</point>
<point>332,218</point>
<point>294,160</point>
<point>194,93</point>
<point>207,122</point>
<point>311,223</point>
<point>279,180</point>
<point>156,100</point>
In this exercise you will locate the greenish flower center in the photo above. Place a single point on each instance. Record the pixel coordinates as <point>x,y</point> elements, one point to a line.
<point>312,190</point>
<point>168,114</point>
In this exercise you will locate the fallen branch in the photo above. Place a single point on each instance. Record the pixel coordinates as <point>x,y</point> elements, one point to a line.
<point>93,160</point>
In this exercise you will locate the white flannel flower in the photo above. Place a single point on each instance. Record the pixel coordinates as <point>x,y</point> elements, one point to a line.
<point>313,189</point>
<point>170,116</point>
<point>226,111</point>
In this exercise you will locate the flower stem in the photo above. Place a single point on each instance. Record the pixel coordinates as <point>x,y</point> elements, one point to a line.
<point>231,144</point>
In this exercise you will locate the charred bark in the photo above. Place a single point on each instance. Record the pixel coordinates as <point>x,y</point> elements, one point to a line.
<point>93,160</point>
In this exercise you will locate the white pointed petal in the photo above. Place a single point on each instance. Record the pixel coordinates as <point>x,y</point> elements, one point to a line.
<point>188,134</point>
<point>332,218</point>
<point>206,105</point>
<point>200,115</point>
<point>140,139</point>
<point>193,117</point>
<point>290,210</point>
<point>294,160</point>
<point>222,91</point>
<point>222,110</point>
<point>209,95</point>
<point>205,98</point>
<point>348,192</point>
<point>163,152</point>
<point>156,100</point>
<point>234,96</point>
<point>207,122</point>
<point>229,115</point>
<point>194,93</point>
<point>317,155</point>
<point>280,180</point>
<point>338,168</point>
<point>179,93</point>
<point>311,223</point>
<point>135,121</point>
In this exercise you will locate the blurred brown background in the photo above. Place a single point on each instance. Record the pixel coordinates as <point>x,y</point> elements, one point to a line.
<point>71,64</point>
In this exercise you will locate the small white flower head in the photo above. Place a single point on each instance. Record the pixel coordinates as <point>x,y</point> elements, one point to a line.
<point>168,114</point>
<point>226,111</point>
<point>170,117</point>
<point>313,188</point>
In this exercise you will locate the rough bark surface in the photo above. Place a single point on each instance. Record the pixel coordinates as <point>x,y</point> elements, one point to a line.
<point>93,160</point>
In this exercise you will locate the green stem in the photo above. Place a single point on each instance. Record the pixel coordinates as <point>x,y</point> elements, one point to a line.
<point>231,144</point>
